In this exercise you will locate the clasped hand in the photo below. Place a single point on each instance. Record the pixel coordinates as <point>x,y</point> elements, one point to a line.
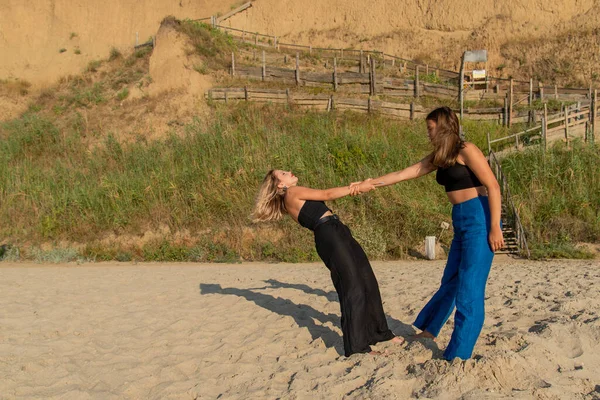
<point>365,186</point>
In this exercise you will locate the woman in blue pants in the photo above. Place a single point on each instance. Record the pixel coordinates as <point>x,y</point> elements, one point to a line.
<point>475,194</point>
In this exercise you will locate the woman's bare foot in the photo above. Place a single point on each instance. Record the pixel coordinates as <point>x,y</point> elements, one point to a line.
<point>397,340</point>
<point>423,335</point>
<point>378,353</point>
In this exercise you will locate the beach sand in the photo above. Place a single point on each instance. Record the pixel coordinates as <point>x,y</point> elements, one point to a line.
<point>268,331</point>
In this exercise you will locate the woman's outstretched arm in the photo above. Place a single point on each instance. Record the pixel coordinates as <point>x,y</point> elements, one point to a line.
<point>304,193</point>
<point>417,170</point>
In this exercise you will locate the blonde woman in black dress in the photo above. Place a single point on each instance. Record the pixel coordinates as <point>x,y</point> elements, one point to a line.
<point>363,320</point>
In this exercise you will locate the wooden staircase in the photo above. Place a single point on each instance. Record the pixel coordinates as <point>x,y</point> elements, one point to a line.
<point>511,245</point>
<point>514,235</point>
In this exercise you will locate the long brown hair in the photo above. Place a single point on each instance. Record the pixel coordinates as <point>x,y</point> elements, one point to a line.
<point>269,205</point>
<point>446,141</point>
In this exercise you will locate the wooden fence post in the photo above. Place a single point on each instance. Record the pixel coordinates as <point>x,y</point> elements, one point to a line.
<point>412,110</point>
<point>335,84</point>
<point>530,102</point>
<point>360,63</point>
<point>417,89</point>
<point>505,111</point>
<point>264,66</point>
<point>594,115</point>
<point>369,105</point>
<point>287,96</point>
<point>232,63</point>
<point>545,127</point>
<point>555,91</point>
<point>566,110</point>
<point>586,137</point>
<point>510,102</point>
<point>541,89</point>
<point>372,89</point>
<point>297,69</point>
<point>246,93</point>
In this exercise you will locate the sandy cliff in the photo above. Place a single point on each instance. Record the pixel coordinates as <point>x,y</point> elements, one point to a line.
<point>32,34</point>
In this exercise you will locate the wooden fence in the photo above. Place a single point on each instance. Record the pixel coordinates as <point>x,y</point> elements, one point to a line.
<point>328,102</point>
<point>387,72</point>
<point>374,83</point>
<point>578,120</point>
<point>321,102</point>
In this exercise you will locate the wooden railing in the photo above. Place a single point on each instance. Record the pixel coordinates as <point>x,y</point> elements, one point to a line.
<point>329,102</point>
<point>319,102</point>
<point>511,216</point>
<point>561,125</point>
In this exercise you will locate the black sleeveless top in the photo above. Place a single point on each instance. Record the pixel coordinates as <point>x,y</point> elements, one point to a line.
<point>457,177</point>
<point>311,212</point>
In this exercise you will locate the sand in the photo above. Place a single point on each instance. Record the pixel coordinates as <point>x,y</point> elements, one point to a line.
<point>33,33</point>
<point>253,331</point>
<point>49,39</point>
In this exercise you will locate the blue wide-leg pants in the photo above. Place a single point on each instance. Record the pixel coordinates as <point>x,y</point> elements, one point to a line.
<point>464,280</point>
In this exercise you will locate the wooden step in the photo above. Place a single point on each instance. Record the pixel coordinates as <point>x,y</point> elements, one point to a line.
<point>506,252</point>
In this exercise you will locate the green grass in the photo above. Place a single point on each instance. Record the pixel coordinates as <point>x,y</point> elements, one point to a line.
<point>93,65</point>
<point>141,53</point>
<point>558,197</point>
<point>53,187</point>
<point>201,69</point>
<point>81,94</point>
<point>431,78</point>
<point>552,104</point>
<point>213,45</point>
<point>114,54</point>
<point>123,94</point>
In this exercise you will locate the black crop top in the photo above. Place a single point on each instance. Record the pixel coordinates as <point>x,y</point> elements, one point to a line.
<point>311,212</point>
<point>457,177</point>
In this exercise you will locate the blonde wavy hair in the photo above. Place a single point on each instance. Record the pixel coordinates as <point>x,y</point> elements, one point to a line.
<point>447,141</point>
<point>269,205</point>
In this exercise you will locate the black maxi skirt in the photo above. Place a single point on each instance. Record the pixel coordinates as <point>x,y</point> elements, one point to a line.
<point>363,319</point>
